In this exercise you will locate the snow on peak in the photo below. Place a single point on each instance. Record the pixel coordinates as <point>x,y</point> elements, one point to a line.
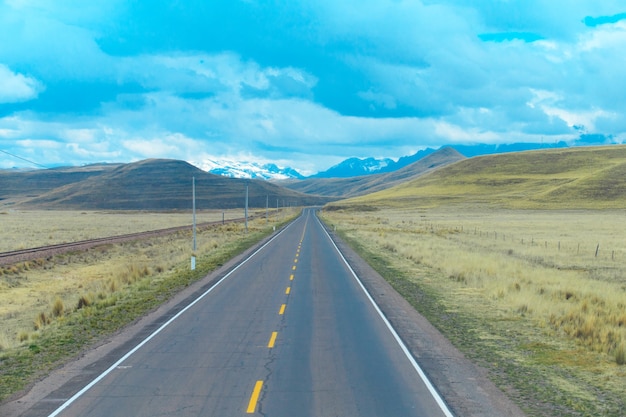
<point>243,169</point>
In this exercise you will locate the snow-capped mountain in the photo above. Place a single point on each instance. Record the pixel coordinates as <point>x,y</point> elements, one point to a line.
<point>354,167</point>
<point>253,170</point>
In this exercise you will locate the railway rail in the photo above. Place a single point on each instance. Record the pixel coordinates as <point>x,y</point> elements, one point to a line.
<point>23,255</point>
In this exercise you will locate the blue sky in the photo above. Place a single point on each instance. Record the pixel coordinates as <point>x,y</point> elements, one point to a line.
<point>303,84</point>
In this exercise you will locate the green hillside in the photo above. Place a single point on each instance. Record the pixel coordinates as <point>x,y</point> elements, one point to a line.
<point>592,177</point>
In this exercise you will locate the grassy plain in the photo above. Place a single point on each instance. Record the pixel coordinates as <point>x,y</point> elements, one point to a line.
<point>520,291</point>
<point>21,229</point>
<point>51,309</point>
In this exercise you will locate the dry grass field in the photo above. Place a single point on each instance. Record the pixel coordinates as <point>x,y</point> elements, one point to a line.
<point>21,229</point>
<point>521,291</point>
<point>52,308</point>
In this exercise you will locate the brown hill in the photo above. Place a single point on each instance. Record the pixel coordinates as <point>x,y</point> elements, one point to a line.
<point>155,184</point>
<point>17,185</point>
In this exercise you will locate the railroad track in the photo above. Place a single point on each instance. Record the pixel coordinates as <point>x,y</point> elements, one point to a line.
<point>22,255</point>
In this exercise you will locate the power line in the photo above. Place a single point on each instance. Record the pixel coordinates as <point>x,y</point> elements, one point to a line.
<point>23,159</point>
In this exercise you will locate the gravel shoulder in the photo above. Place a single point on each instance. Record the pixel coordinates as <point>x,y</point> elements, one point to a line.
<point>463,385</point>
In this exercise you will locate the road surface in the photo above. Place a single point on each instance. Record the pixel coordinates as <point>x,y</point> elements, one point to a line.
<point>289,332</point>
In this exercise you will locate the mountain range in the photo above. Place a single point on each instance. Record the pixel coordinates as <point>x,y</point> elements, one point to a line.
<point>164,184</point>
<point>364,184</point>
<point>354,167</point>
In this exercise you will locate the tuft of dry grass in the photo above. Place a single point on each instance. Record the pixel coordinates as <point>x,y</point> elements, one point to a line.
<point>58,308</point>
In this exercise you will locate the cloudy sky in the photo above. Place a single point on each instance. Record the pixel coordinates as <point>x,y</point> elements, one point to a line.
<point>303,84</point>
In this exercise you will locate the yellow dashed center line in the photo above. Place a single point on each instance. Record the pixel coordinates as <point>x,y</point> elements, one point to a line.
<point>272,340</point>
<point>255,397</point>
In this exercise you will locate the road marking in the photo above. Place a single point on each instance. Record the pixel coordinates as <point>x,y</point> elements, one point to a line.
<point>294,268</point>
<point>255,397</point>
<point>288,290</point>
<point>272,340</point>
<point>291,277</point>
<point>442,405</point>
<point>160,329</point>
<point>295,261</point>
<point>282,309</point>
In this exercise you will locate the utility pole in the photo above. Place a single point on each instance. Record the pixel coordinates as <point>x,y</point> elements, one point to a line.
<point>193,192</point>
<point>267,207</point>
<point>246,212</point>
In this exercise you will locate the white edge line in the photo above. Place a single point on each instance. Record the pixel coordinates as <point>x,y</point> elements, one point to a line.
<point>163,326</point>
<point>442,405</point>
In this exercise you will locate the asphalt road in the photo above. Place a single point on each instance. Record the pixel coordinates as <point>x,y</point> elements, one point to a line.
<point>290,332</point>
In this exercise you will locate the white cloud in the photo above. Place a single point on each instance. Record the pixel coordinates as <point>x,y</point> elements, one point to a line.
<point>421,65</point>
<point>457,134</point>
<point>15,87</point>
<point>167,145</point>
<point>39,144</point>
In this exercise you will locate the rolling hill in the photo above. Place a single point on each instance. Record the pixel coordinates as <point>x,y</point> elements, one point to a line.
<point>24,184</point>
<point>154,184</point>
<point>593,177</point>
<point>355,186</point>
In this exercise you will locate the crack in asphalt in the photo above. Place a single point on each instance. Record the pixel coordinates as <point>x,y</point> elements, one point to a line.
<point>272,357</point>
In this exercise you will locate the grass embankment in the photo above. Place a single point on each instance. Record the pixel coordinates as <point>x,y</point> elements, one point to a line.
<point>520,292</point>
<point>52,309</point>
